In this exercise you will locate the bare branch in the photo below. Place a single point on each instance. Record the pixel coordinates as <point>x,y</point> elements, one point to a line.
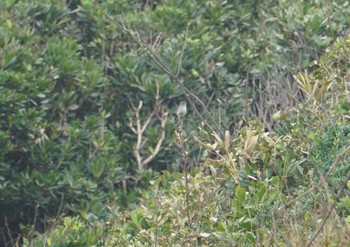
<point>131,126</point>
<point>163,121</point>
<point>141,128</point>
<point>145,125</point>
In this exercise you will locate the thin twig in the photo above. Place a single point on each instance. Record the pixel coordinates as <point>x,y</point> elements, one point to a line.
<point>182,52</point>
<point>329,211</point>
<point>318,185</point>
<point>167,70</point>
<point>32,228</point>
<point>8,229</point>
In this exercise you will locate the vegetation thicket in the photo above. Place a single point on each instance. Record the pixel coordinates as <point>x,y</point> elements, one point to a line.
<point>91,151</point>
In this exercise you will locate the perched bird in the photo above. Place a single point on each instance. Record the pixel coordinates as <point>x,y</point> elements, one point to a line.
<point>182,109</point>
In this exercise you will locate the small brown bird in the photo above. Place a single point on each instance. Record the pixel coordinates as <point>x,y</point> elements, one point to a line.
<point>182,109</point>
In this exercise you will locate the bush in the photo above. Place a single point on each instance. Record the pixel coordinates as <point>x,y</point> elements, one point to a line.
<point>72,86</point>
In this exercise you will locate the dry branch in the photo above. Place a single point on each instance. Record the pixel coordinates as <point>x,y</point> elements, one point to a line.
<point>140,129</point>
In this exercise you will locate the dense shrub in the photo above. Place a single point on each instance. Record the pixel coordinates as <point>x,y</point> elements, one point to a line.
<point>71,82</point>
<point>263,188</point>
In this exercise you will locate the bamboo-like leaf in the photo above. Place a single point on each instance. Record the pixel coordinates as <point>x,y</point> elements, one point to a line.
<point>218,138</point>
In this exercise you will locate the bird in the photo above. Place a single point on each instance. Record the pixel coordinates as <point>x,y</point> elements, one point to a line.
<point>181,109</point>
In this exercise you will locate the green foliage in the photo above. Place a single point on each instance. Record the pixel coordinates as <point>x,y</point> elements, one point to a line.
<point>70,80</point>
<point>214,217</point>
<point>329,151</point>
<point>72,232</point>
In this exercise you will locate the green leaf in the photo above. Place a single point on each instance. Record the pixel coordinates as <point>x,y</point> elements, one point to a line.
<point>275,180</point>
<point>261,193</point>
<point>73,107</point>
<point>240,194</point>
<point>346,202</point>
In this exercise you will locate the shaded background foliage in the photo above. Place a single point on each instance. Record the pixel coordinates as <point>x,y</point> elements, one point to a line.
<point>68,77</point>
